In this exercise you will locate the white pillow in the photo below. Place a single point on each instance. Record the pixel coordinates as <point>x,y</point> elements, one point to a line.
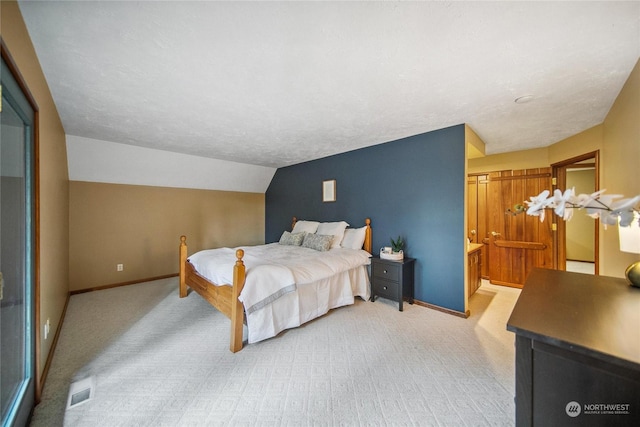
<point>306,226</point>
<point>333,229</point>
<point>353,238</point>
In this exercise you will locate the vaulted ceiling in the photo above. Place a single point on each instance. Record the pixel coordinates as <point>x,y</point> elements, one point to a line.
<point>279,83</point>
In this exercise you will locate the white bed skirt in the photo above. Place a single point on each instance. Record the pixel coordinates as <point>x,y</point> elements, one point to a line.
<point>307,303</point>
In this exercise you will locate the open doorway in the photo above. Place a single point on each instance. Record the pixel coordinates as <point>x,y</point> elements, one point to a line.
<point>576,241</point>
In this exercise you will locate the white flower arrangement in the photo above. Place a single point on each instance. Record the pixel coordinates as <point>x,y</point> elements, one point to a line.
<point>596,205</point>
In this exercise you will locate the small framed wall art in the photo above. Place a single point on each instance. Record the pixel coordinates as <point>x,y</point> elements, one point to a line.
<point>329,190</point>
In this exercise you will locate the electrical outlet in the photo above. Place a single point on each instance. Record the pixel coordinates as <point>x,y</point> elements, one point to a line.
<point>120,267</point>
<point>47,327</point>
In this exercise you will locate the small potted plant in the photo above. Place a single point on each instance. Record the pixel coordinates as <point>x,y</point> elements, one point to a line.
<point>397,253</point>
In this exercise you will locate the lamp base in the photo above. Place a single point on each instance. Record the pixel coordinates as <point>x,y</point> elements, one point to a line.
<point>633,274</point>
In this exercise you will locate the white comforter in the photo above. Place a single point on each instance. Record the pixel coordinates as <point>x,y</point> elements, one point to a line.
<point>273,271</point>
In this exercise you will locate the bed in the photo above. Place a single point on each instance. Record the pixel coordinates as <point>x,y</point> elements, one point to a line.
<point>314,268</point>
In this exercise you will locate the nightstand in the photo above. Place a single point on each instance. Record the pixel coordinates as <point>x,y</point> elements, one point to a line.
<point>392,279</point>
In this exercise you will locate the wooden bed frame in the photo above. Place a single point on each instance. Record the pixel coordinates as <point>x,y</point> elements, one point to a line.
<point>225,297</point>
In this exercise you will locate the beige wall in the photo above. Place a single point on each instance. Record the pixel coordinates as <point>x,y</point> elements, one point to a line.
<point>580,231</point>
<point>475,145</point>
<point>620,171</point>
<point>584,142</point>
<point>140,227</point>
<point>527,159</point>
<point>54,193</point>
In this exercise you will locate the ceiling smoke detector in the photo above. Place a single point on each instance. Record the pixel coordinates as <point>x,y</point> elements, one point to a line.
<point>524,99</point>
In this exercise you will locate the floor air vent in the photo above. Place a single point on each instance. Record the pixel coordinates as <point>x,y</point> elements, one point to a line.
<point>80,392</point>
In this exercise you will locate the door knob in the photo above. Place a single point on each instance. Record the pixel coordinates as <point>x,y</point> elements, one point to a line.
<point>473,232</point>
<point>494,234</point>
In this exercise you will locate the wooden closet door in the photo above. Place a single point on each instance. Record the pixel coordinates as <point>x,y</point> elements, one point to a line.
<point>477,217</point>
<point>483,224</point>
<point>517,242</point>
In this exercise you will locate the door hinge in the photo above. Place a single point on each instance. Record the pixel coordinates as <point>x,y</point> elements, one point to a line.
<point>554,181</point>
<point>554,227</point>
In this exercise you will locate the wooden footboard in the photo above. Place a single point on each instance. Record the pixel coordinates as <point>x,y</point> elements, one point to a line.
<point>223,297</point>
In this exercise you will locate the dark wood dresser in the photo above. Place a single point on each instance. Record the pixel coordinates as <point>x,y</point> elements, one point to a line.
<point>577,350</point>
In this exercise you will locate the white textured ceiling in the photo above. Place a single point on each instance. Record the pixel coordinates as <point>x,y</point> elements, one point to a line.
<point>276,84</point>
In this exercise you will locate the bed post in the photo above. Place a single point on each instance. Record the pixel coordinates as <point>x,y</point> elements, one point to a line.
<point>237,311</point>
<point>367,235</point>
<point>293,222</point>
<point>183,260</point>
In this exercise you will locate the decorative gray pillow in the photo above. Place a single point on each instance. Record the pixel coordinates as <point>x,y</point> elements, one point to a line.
<point>292,239</point>
<point>319,242</point>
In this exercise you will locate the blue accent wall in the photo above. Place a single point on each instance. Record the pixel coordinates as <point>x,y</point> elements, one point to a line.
<point>413,187</point>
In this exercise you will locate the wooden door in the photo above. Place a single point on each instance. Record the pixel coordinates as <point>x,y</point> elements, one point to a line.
<point>517,242</point>
<point>483,224</point>
<point>477,217</point>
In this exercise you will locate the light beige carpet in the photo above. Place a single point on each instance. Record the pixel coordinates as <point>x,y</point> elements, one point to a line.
<point>158,360</point>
